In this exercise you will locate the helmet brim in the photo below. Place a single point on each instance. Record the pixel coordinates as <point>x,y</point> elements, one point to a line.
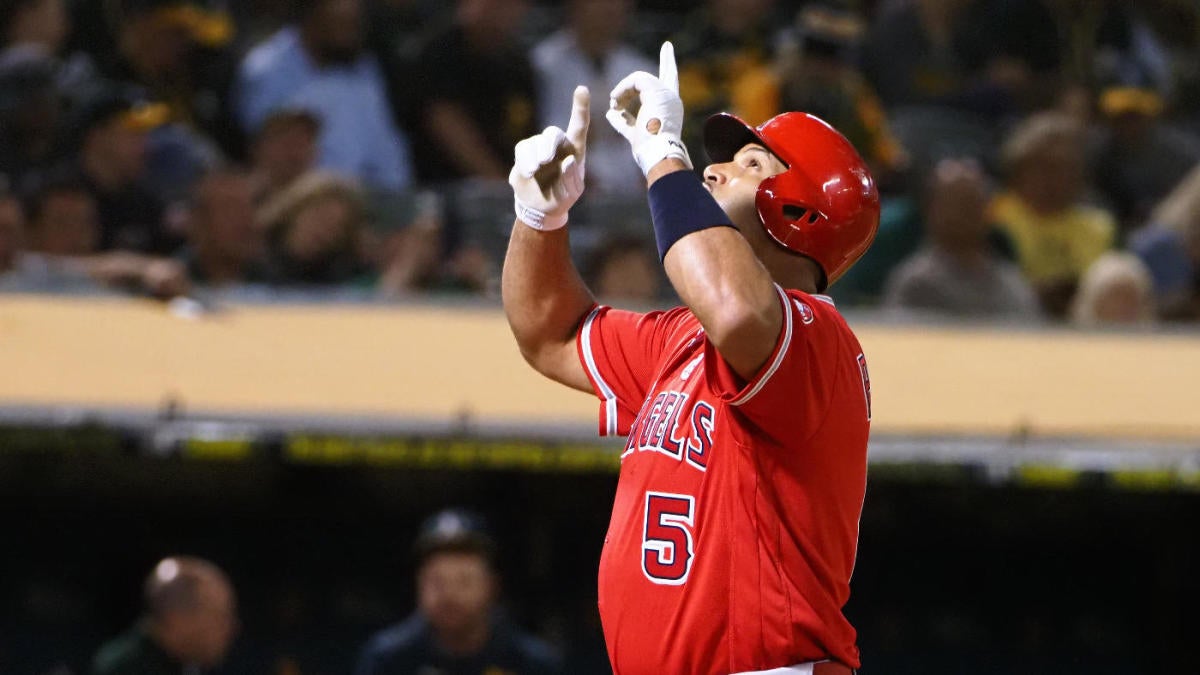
<point>725,134</point>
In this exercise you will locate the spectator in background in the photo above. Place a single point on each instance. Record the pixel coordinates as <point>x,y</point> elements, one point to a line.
<point>284,149</point>
<point>172,49</point>
<point>913,53</point>
<point>224,245</point>
<point>30,113</point>
<point>314,232</point>
<point>958,272</point>
<point>111,130</point>
<point>175,52</point>
<point>588,50</point>
<point>60,248</point>
<point>319,64</point>
<point>1170,248</point>
<point>1116,290</point>
<point>39,24</point>
<point>725,64</point>
<point>40,28</point>
<point>1139,159</point>
<point>63,218</point>
<point>476,93</point>
<point>189,624</point>
<point>625,269</point>
<point>1056,236</point>
<point>456,628</point>
<point>12,231</point>
<point>818,76</point>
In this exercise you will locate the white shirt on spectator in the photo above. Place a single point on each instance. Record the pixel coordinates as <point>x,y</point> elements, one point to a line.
<point>561,66</point>
<point>359,136</point>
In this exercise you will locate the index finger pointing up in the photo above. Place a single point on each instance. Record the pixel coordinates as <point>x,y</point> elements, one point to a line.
<point>668,72</point>
<point>581,116</point>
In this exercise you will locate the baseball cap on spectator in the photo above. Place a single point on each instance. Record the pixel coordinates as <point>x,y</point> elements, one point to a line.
<point>1130,100</point>
<point>112,101</point>
<point>206,26</point>
<point>829,28</point>
<point>454,531</point>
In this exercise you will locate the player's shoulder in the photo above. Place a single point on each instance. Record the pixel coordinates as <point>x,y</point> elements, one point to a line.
<point>811,307</point>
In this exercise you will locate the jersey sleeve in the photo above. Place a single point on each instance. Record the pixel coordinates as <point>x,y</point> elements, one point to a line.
<point>791,393</point>
<point>621,351</point>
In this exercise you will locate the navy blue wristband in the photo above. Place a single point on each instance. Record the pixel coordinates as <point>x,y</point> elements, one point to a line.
<point>679,206</point>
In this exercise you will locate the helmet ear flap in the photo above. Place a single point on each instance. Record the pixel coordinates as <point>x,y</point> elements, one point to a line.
<point>784,219</point>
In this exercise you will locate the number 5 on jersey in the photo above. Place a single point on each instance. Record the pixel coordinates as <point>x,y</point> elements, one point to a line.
<point>667,538</point>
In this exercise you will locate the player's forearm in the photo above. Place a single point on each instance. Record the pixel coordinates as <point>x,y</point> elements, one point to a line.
<point>717,276</point>
<point>544,297</point>
<point>715,272</point>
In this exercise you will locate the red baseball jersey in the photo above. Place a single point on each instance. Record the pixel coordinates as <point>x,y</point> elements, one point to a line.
<point>735,522</point>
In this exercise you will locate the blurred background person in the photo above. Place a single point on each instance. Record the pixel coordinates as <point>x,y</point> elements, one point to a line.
<point>818,75</point>
<point>1056,234</point>
<point>993,58</point>
<point>959,272</point>
<point>30,115</point>
<point>42,25</point>
<point>1115,291</point>
<point>63,217</point>
<point>284,149</point>
<point>588,50</point>
<point>1139,158</point>
<point>1170,248</point>
<point>190,621</point>
<point>725,51</point>
<point>42,28</point>
<point>112,129</point>
<point>176,52</point>
<point>457,627</point>
<point>61,253</point>
<point>475,93</point>
<point>12,232</point>
<point>625,269</point>
<point>314,233</point>
<point>224,244</point>
<point>319,64</point>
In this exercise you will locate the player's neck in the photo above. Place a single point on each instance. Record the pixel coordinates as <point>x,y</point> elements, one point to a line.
<point>795,272</point>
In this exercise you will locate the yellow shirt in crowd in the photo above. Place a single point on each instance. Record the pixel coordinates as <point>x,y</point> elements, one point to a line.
<point>1057,247</point>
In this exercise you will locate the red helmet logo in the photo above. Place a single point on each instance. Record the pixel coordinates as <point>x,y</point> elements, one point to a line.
<point>825,206</point>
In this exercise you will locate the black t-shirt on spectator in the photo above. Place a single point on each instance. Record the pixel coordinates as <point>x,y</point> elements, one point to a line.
<point>409,647</point>
<point>132,219</point>
<point>497,91</point>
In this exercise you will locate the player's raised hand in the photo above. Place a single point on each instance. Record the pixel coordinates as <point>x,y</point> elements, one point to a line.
<point>548,169</point>
<point>648,112</point>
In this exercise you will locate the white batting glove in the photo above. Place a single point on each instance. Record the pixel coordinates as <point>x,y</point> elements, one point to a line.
<point>648,112</point>
<point>547,174</point>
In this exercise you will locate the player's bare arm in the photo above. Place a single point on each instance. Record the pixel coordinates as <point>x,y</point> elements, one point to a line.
<point>713,269</point>
<point>544,297</point>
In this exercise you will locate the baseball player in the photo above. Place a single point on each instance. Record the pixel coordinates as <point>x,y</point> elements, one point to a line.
<point>735,523</point>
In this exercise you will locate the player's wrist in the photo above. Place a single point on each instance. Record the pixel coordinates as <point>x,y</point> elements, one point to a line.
<point>658,147</point>
<point>665,166</point>
<point>538,219</point>
<point>679,206</point>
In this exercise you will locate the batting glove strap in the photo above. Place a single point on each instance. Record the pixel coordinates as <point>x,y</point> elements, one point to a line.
<point>658,147</point>
<point>537,219</point>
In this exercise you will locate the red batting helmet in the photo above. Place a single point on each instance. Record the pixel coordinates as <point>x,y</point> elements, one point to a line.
<point>825,206</point>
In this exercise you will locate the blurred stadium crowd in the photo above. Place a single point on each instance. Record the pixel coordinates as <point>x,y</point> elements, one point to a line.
<point>1039,159</point>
